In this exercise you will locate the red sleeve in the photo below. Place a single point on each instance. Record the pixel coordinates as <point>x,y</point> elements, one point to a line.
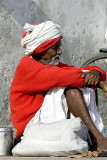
<point>90,68</point>
<point>31,76</point>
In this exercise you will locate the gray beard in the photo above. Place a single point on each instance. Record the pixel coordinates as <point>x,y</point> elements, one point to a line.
<point>53,62</point>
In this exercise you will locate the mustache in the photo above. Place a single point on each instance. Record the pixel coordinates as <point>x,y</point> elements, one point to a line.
<point>54,61</point>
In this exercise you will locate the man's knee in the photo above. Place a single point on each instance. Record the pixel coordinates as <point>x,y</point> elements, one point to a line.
<point>71,91</point>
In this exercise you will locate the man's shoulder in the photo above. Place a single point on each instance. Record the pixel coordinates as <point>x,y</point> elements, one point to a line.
<point>27,60</point>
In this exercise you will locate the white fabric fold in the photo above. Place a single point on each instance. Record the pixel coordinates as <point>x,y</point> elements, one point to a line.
<point>49,133</point>
<point>39,34</point>
<point>61,138</point>
<point>54,108</point>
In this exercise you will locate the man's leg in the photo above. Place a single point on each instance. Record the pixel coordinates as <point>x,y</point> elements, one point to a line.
<point>78,108</point>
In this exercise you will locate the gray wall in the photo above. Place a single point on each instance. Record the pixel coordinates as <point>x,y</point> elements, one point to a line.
<point>83,25</point>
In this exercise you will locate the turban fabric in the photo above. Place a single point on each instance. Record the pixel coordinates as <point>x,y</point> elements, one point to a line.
<point>40,37</point>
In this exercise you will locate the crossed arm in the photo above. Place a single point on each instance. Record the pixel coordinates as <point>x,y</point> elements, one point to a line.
<point>103,86</point>
<point>92,79</point>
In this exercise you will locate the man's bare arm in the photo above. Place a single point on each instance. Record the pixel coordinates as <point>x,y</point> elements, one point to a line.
<point>103,86</point>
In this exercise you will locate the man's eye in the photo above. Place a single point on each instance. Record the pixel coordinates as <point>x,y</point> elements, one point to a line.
<point>56,47</point>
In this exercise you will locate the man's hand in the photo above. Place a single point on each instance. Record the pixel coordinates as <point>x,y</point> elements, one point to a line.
<point>103,86</point>
<point>91,79</point>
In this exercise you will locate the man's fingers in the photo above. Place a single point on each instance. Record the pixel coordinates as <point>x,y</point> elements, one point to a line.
<point>91,80</point>
<point>83,75</point>
<point>97,81</point>
<point>86,82</point>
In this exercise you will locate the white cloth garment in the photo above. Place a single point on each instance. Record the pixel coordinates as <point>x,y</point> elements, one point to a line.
<point>39,34</point>
<point>54,108</point>
<point>49,133</point>
<point>60,138</point>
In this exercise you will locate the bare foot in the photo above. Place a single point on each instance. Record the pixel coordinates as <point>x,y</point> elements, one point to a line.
<point>88,154</point>
<point>99,143</point>
<point>102,145</point>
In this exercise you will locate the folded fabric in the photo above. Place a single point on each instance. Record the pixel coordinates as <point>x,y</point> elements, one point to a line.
<point>60,138</point>
<point>38,34</point>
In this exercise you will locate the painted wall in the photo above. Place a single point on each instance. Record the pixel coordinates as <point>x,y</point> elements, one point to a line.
<point>83,24</point>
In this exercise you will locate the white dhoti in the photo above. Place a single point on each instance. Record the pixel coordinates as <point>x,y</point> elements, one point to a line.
<point>54,108</point>
<point>50,133</point>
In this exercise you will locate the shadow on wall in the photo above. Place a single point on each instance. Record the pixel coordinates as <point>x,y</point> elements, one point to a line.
<point>29,12</point>
<point>24,11</point>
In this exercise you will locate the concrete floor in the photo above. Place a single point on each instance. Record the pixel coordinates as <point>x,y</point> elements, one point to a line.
<point>48,158</point>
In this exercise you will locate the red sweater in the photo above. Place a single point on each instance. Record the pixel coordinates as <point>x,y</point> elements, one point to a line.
<point>31,82</point>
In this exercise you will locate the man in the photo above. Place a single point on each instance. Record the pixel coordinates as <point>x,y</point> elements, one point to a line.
<point>40,71</point>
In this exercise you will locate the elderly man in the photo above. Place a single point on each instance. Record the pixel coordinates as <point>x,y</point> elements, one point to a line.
<point>40,72</point>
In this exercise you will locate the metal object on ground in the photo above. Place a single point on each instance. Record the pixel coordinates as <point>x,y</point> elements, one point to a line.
<point>6,140</point>
<point>92,58</point>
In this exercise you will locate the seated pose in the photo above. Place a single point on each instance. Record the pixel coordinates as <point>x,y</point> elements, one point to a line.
<point>40,72</point>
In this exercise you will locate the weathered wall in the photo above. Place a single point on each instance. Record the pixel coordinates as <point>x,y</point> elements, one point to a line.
<point>83,24</point>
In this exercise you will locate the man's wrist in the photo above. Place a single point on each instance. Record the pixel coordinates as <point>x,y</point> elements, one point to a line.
<point>101,84</point>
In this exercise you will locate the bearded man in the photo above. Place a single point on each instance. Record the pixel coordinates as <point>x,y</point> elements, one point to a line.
<point>40,75</point>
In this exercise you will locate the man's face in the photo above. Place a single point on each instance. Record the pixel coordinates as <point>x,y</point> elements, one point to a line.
<point>51,56</point>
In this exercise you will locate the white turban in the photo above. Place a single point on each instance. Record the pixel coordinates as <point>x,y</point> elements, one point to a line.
<point>36,35</point>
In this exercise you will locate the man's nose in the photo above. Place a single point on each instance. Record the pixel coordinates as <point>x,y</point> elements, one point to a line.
<point>59,51</point>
